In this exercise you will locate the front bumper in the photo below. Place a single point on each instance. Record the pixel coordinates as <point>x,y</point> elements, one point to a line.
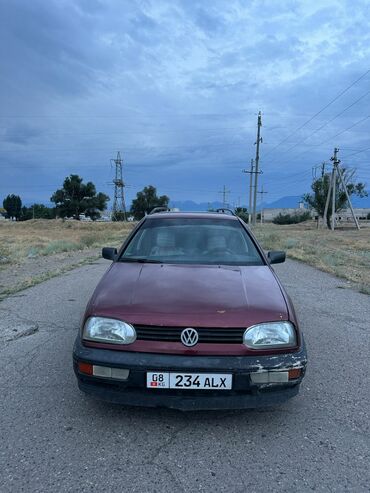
<point>133,391</point>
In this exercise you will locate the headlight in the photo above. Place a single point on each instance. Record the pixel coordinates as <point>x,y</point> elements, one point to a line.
<point>270,335</point>
<point>100,329</point>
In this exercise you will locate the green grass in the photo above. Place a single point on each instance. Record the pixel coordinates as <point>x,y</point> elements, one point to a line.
<point>60,246</point>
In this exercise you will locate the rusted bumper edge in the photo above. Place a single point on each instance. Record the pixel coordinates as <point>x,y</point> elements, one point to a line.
<point>133,392</point>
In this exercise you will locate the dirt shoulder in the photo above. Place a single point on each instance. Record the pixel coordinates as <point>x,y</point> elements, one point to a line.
<point>32,271</point>
<point>34,251</point>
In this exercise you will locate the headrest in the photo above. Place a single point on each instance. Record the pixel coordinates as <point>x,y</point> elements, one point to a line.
<point>165,239</point>
<point>216,242</point>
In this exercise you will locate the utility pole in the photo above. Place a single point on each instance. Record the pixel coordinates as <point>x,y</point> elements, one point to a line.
<point>224,196</point>
<point>333,187</point>
<point>250,172</point>
<point>323,169</point>
<point>261,192</point>
<point>328,198</point>
<point>323,164</point>
<point>119,196</point>
<point>332,191</point>
<point>257,160</point>
<point>340,173</point>
<point>250,191</point>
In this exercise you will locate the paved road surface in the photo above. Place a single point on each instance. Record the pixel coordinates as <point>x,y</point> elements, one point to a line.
<point>53,438</point>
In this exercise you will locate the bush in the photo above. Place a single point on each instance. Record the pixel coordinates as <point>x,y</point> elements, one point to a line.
<point>291,243</point>
<point>291,218</point>
<point>242,212</point>
<point>368,216</point>
<point>88,240</point>
<point>60,246</point>
<point>118,216</point>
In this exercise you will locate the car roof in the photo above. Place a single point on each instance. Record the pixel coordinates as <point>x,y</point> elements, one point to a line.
<point>195,215</point>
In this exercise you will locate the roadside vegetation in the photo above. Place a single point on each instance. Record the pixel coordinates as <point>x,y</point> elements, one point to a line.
<point>35,250</point>
<point>320,189</point>
<point>344,252</point>
<point>36,238</point>
<point>291,218</point>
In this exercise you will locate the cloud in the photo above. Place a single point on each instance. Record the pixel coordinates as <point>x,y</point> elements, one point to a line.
<point>176,85</point>
<point>20,133</point>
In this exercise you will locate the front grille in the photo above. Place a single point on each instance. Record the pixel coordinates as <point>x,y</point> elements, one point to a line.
<point>206,334</point>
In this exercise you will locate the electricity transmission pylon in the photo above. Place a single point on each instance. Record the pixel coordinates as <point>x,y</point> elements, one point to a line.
<point>119,205</point>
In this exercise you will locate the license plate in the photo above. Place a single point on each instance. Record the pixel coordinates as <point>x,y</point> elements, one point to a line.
<point>184,381</point>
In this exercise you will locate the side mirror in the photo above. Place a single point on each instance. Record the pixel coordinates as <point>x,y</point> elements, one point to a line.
<point>109,253</point>
<point>276,257</point>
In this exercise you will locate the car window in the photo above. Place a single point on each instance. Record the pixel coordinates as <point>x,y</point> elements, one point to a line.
<point>193,240</point>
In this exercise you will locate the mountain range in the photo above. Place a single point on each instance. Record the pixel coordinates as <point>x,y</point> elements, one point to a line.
<point>289,201</point>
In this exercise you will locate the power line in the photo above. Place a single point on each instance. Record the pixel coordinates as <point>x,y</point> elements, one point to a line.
<point>319,112</point>
<point>141,149</point>
<point>345,130</point>
<point>283,188</point>
<point>224,192</point>
<point>329,121</point>
<point>148,116</point>
<point>295,156</point>
<point>155,130</point>
<point>138,148</point>
<point>357,152</point>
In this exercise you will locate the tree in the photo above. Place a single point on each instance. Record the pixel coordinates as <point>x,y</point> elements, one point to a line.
<point>77,198</point>
<point>13,206</point>
<point>146,200</point>
<point>320,188</point>
<point>242,212</point>
<point>96,205</point>
<point>37,211</point>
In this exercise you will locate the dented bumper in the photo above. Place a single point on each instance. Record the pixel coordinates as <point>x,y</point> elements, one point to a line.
<point>258,381</point>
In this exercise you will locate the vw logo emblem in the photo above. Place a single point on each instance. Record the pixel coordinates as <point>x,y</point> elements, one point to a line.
<point>189,337</point>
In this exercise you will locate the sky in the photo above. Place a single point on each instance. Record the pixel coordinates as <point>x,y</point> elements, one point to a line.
<point>176,86</point>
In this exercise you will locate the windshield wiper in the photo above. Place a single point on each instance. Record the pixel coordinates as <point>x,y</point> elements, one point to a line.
<point>142,260</point>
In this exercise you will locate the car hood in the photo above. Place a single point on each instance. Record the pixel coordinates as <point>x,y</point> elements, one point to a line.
<point>189,295</point>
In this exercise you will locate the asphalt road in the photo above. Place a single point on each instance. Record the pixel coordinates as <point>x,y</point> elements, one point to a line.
<point>54,439</point>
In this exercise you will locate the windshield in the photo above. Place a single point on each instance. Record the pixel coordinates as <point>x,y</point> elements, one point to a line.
<point>192,241</point>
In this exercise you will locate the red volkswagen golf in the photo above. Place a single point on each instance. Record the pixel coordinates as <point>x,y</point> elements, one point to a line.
<point>190,315</point>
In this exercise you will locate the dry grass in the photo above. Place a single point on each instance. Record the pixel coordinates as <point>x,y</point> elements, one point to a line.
<point>343,252</point>
<point>29,239</point>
